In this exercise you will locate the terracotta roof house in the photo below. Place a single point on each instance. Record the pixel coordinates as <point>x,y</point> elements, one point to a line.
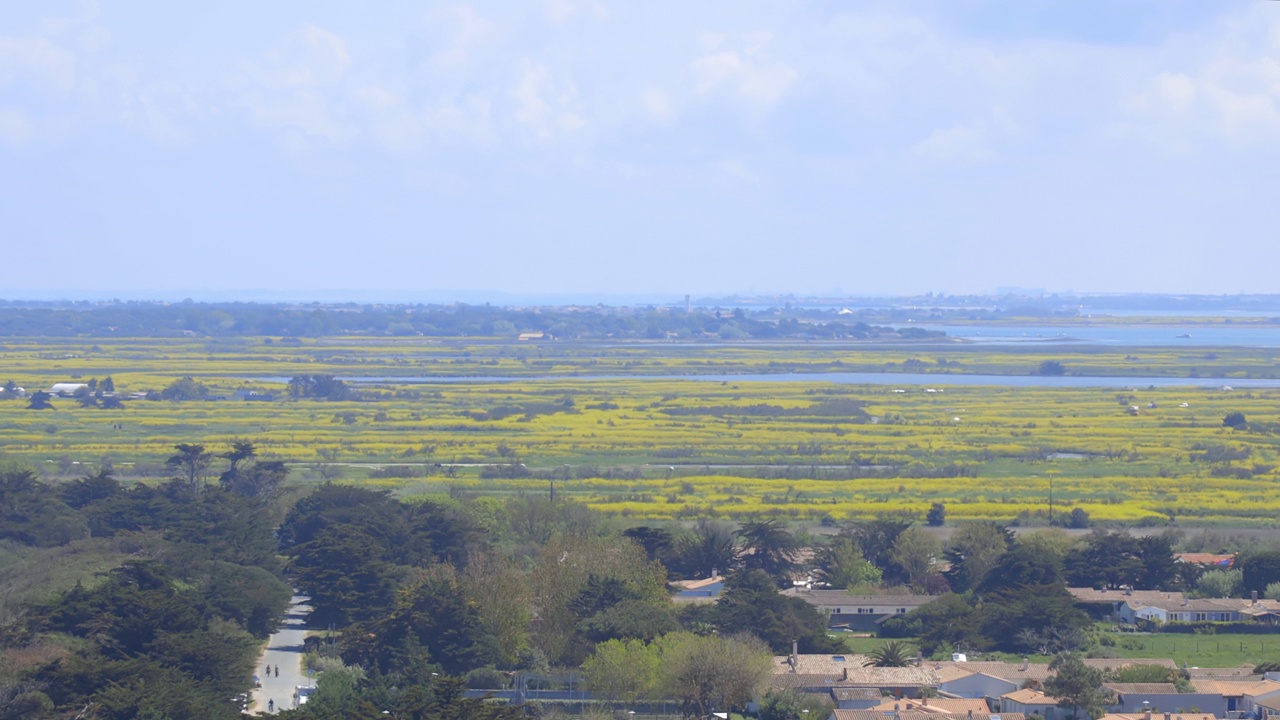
<point>1030,702</point>
<point>936,706</point>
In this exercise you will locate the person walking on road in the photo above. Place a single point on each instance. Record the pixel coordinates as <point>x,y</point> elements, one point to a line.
<point>271,706</point>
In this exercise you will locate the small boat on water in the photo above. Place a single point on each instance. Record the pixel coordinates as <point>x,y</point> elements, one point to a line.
<point>1184,336</point>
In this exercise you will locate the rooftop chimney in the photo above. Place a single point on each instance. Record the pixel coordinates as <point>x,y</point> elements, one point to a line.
<point>1254,597</point>
<point>970,715</point>
<point>845,675</point>
<point>1147,715</point>
<point>1026,662</point>
<point>795,655</point>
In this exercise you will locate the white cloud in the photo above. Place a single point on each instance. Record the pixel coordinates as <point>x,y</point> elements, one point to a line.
<point>462,32</point>
<point>38,59</point>
<point>14,127</point>
<point>543,105</point>
<point>741,64</point>
<point>300,89</point>
<point>1229,92</point>
<point>961,143</point>
<point>658,105</point>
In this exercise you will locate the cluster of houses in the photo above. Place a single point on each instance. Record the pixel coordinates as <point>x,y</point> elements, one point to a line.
<point>966,690</point>
<point>1158,607</point>
<point>865,613</point>
<point>75,389</point>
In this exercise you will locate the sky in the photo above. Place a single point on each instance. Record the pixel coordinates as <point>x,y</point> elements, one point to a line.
<point>435,151</point>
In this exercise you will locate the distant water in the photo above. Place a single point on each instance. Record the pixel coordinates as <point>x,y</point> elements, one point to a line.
<point>844,378</point>
<point>1137,335</point>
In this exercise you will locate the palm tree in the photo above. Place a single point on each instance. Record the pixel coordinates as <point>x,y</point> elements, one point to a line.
<point>891,654</point>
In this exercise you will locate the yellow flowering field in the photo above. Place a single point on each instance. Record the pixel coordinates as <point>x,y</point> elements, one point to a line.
<point>617,425</point>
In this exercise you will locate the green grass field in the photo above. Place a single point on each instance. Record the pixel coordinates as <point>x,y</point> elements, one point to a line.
<point>1225,650</point>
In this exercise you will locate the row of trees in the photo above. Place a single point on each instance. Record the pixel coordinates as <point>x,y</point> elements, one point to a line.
<point>229,320</point>
<point>190,585</point>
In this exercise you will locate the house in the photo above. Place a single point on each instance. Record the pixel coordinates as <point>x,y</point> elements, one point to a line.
<point>1162,697</point>
<point>1233,692</point>
<point>935,706</point>
<point>1106,603</point>
<point>1201,610</point>
<point>858,612</point>
<point>1210,561</point>
<point>705,590</point>
<point>252,395</point>
<point>67,389</point>
<point>1267,708</point>
<point>821,674</point>
<point>855,698</point>
<point>1028,702</point>
<point>1262,700</point>
<point>917,715</point>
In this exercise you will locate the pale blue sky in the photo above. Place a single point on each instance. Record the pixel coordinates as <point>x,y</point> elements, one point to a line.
<point>623,148</point>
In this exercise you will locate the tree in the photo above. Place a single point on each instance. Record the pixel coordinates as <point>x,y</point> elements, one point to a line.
<point>588,588</point>
<point>767,546</point>
<point>1272,591</point>
<point>948,621</point>
<point>40,400</point>
<point>1051,368</point>
<point>709,549</point>
<point>840,565</point>
<point>751,603</point>
<point>191,463</point>
<point>937,515</point>
<point>183,389</point>
<point>1220,584</point>
<point>891,654</point>
<point>1024,565</point>
<point>713,673</point>
<point>320,387</point>
<point>1053,543</point>
<point>658,543</point>
<point>1235,421</point>
<point>1115,560</point>
<point>431,625</point>
<point>503,596</point>
<point>1259,569</point>
<point>623,670</point>
<point>1078,519</point>
<point>975,549</point>
<point>1039,619</point>
<point>1077,686</point>
<point>916,552</point>
<point>791,704</point>
<point>876,539</point>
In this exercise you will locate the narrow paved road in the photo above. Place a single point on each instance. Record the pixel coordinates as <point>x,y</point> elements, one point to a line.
<point>284,651</point>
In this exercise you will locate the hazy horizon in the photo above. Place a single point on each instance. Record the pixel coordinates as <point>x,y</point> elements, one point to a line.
<point>593,149</point>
